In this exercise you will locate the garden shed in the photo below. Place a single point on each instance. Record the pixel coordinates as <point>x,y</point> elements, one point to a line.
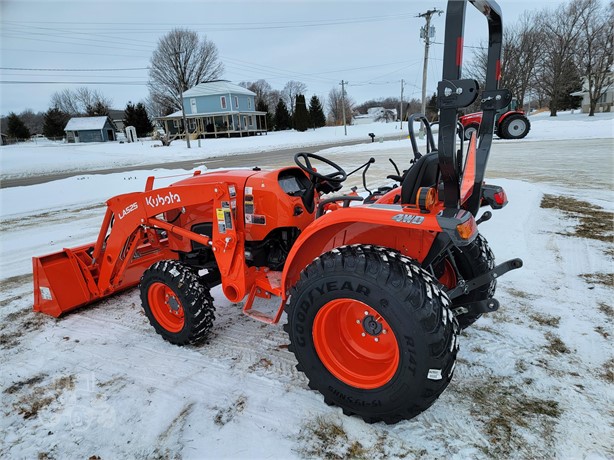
<point>90,129</point>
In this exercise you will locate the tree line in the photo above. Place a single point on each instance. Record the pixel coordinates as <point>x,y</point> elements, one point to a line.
<point>551,53</point>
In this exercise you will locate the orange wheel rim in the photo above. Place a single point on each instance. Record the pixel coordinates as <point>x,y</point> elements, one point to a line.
<point>448,278</point>
<point>166,307</point>
<point>355,343</point>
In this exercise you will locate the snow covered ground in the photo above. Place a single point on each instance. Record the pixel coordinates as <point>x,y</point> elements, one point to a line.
<point>534,380</point>
<point>47,157</point>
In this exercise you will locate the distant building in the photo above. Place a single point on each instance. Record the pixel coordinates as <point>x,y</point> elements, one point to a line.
<point>117,117</point>
<point>217,108</point>
<point>90,129</point>
<point>605,102</point>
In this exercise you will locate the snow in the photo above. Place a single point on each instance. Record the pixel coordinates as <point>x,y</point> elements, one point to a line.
<point>101,382</point>
<point>85,123</point>
<point>59,157</point>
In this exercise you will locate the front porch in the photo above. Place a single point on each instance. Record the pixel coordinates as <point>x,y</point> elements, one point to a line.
<point>214,125</point>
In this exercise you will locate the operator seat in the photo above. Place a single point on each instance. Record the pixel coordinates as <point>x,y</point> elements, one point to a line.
<point>423,173</point>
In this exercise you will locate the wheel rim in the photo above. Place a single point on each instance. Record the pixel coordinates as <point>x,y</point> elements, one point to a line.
<point>448,278</point>
<point>166,307</point>
<point>469,131</point>
<point>355,343</point>
<point>517,127</point>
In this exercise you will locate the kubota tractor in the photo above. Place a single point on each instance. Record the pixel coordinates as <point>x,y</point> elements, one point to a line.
<point>374,293</point>
<point>510,123</point>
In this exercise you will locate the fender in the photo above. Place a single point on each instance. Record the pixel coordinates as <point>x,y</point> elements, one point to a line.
<point>507,114</point>
<point>394,226</point>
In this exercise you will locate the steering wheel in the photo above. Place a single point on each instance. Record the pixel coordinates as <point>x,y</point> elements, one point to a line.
<point>335,177</point>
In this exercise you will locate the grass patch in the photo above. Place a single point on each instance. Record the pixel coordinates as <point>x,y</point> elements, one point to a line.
<point>594,222</point>
<point>555,345</point>
<point>223,416</point>
<point>606,310</point>
<point>36,396</point>
<point>327,439</point>
<point>608,371</point>
<point>605,279</point>
<point>546,320</point>
<point>504,408</point>
<point>601,331</point>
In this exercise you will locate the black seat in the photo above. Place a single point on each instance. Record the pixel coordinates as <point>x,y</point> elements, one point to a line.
<point>423,173</point>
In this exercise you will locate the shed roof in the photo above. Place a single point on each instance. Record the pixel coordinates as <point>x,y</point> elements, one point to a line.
<point>85,123</point>
<point>213,88</point>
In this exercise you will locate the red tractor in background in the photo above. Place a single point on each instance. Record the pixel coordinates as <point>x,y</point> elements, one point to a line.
<point>374,294</point>
<point>510,123</point>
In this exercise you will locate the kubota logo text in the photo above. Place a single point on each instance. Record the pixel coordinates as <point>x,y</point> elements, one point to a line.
<point>170,198</point>
<point>128,209</point>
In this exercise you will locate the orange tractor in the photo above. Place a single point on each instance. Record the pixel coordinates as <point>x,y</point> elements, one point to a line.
<point>375,293</point>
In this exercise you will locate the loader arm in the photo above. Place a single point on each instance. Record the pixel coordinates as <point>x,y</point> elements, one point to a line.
<point>130,240</point>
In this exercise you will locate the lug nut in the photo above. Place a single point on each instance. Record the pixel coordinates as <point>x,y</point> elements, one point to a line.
<point>363,334</point>
<point>357,321</point>
<point>376,339</point>
<point>366,313</point>
<point>384,331</point>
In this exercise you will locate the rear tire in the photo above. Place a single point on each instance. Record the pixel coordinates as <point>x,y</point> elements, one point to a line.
<point>177,304</point>
<point>472,260</point>
<point>514,126</point>
<point>337,315</point>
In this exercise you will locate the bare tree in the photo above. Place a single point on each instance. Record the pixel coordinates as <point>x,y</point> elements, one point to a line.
<point>596,41</point>
<point>262,89</point>
<point>559,39</point>
<point>180,62</point>
<point>79,101</point>
<point>335,107</point>
<point>290,91</point>
<point>520,53</point>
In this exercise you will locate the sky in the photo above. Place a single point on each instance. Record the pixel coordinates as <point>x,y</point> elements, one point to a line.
<point>48,46</point>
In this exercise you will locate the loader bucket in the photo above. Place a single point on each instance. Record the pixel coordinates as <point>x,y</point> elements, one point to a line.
<point>60,281</point>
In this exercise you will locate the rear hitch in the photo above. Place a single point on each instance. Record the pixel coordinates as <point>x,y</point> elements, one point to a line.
<point>465,287</point>
<point>478,307</point>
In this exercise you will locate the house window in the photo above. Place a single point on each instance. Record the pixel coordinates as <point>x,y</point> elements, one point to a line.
<point>193,105</point>
<point>176,123</point>
<point>223,101</point>
<point>192,124</point>
<point>249,102</point>
<point>236,102</point>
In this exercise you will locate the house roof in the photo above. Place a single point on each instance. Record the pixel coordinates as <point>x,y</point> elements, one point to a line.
<point>213,88</point>
<point>85,123</point>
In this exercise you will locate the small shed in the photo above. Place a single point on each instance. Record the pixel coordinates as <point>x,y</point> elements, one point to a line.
<point>90,129</point>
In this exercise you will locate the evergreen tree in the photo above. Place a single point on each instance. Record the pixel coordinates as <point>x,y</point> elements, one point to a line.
<point>137,116</point>
<point>282,117</point>
<point>55,122</point>
<point>16,127</point>
<point>316,113</point>
<point>262,106</point>
<point>431,108</point>
<point>97,109</point>
<point>301,115</point>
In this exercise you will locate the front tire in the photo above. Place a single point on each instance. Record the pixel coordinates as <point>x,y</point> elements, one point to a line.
<point>372,332</point>
<point>177,304</point>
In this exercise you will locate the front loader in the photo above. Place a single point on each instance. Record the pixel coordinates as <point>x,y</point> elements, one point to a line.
<point>375,289</point>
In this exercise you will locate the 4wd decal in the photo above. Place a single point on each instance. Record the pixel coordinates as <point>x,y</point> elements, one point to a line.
<point>408,219</point>
<point>170,198</point>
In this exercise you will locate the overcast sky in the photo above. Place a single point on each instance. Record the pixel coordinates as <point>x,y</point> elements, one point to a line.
<point>370,44</point>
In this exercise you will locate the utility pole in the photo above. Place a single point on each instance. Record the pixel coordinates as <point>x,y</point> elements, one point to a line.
<point>426,33</point>
<point>185,123</point>
<point>343,83</point>
<point>402,84</point>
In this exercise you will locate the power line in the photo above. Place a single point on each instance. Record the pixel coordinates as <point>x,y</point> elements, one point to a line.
<point>74,70</point>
